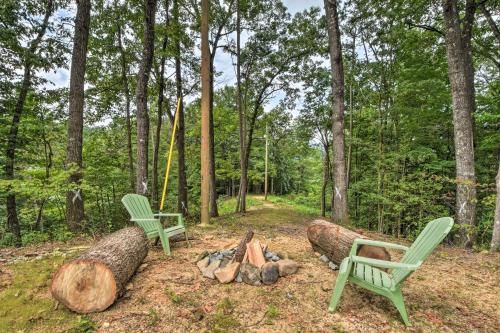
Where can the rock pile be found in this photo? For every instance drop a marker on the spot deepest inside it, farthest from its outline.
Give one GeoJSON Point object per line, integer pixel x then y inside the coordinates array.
{"type": "Point", "coordinates": [259, 265]}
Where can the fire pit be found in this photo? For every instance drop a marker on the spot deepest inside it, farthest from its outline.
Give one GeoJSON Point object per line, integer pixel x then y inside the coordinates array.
{"type": "Point", "coordinates": [250, 262]}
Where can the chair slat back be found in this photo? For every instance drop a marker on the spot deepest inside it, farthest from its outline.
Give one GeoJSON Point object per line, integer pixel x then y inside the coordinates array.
{"type": "Point", "coordinates": [139, 209]}
{"type": "Point", "coordinates": [433, 233]}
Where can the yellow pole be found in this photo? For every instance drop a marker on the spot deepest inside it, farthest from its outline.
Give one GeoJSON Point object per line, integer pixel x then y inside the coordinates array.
{"type": "Point", "coordinates": [167, 171]}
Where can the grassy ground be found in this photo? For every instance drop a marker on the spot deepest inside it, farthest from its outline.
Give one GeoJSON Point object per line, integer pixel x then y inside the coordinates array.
{"type": "Point", "coordinates": [454, 291]}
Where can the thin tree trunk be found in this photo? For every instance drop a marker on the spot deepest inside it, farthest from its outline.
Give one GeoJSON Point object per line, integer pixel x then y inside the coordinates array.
{"type": "Point", "coordinates": [461, 75]}
{"type": "Point", "coordinates": [12, 218]}
{"type": "Point", "coordinates": [141, 185]}
{"type": "Point", "coordinates": [205, 115]}
{"type": "Point", "coordinates": [241, 201]}
{"type": "Point", "coordinates": [495, 239]}
{"type": "Point", "coordinates": [161, 90]}
{"type": "Point", "coordinates": [351, 111]}
{"type": "Point", "coordinates": [326, 177]}
{"type": "Point", "coordinates": [214, 212]}
{"type": "Point", "coordinates": [182, 189]}
{"type": "Point", "coordinates": [490, 20]}
{"type": "Point", "coordinates": [340, 210]}
{"type": "Point", "coordinates": [128, 123]}
{"type": "Point", "coordinates": [74, 198]}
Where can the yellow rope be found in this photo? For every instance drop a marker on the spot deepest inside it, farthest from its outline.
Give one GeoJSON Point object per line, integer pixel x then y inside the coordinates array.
{"type": "Point", "coordinates": [167, 171]}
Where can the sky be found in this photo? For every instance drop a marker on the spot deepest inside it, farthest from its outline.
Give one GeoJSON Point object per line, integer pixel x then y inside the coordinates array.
{"type": "Point", "coordinates": [223, 61]}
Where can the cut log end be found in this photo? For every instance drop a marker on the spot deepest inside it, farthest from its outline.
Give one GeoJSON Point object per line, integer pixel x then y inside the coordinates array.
{"type": "Point", "coordinates": [85, 286]}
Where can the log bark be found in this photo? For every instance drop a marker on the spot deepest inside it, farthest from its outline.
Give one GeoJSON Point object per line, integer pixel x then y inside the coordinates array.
{"type": "Point", "coordinates": [95, 280]}
{"type": "Point", "coordinates": [242, 247]}
{"type": "Point", "coordinates": [335, 242]}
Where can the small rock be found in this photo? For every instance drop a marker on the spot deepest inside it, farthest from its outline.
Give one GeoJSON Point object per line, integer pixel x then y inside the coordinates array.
{"type": "Point", "coordinates": [208, 271]}
{"type": "Point", "coordinates": [270, 272]}
{"type": "Point", "coordinates": [224, 262]}
{"type": "Point", "coordinates": [250, 274]}
{"type": "Point", "coordinates": [202, 255]}
{"type": "Point", "coordinates": [333, 266]}
{"type": "Point", "coordinates": [105, 325]}
{"type": "Point", "coordinates": [269, 254]}
{"type": "Point", "coordinates": [275, 258]}
{"type": "Point", "coordinates": [324, 258]}
{"type": "Point", "coordinates": [129, 286]}
{"type": "Point", "coordinates": [287, 267]}
{"type": "Point", "coordinates": [228, 273]}
{"type": "Point", "coordinates": [203, 263]}
{"type": "Point", "coordinates": [317, 254]}
{"type": "Point", "coordinates": [239, 279]}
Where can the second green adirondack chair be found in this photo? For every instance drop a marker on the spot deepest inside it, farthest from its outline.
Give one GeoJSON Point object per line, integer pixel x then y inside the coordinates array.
{"type": "Point", "coordinates": [365, 272]}
{"type": "Point", "coordinates": [141, 213]}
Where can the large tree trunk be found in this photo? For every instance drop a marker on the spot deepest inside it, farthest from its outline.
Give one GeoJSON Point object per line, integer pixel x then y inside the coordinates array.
{"type": "Point", "coordinates": [141, 185]}
{"type": "Point", "coordinates": [128, 123]}
{"type": "Point", "coordinates": [340, 211]}
{"type": "Point", "coordinates": [182, 189]}
{"type": "Point", "coordinates": [461, 75]}
{"type": "Point", "coordinates": [95, 280]}
{"type": "Point", "coordinates": [74, 198]}
{"type": "Point", "coordinates": [335, 242]}
{"type": "Point", "coordinates": [205, 115]}
{"type": "Point", "coordinates": [241, 200]}
{"type": "Point", "coordinates": [495, 240]}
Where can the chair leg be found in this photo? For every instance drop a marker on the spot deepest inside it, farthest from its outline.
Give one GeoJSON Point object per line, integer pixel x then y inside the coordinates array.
{"type": "Point", "coordinates": [339, 284]}
{"type": "Point", "coordinates": [397, 299]}
{"type": "Point", "coordinates": [165, 244]}
{"type": "Point", "coordinates": [187, 239]}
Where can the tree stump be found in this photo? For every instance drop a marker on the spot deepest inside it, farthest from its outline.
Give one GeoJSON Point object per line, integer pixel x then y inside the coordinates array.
{"type": "Point", "coordinates": [335, 242]}
{"type": "Point", "coordinates": [95, 280]}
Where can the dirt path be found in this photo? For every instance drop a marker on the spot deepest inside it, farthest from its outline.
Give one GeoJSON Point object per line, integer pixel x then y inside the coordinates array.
{"type": "Point", "coordinates": [169, 294]}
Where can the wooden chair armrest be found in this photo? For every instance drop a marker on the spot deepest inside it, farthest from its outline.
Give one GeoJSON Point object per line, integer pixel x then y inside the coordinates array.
{"type": "Point", "coordinates": [363, 241]}
{"type": "Point", "coordinates": [385, 264]}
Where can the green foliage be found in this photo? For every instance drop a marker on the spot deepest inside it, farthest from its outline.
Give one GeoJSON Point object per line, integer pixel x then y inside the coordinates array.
{"type": "Point", "coordinates": [84, 325]}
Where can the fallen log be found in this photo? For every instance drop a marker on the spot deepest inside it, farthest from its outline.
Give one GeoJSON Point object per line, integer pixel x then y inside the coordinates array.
{"type": "Point", "coordinates": [97, 278]}
{"type": "Point", "coordinates": [335, 242]}
{"type": "Point", "coordinates": [242, 247]}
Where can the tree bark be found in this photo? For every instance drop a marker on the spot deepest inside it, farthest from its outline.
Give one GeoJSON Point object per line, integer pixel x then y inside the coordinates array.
{"type": "Point", "coordinates": [495, 239]}
{"type": "Point", "coordinates": [182, 194]}
{"type": "Point", "coordinates": [74, 198]}
{"type": "Point", "coordinates": [241, 200]}
{"type": "Point", "coordinates": [141, 185]}
{"type": "Point", "coordinates": [461, 75]}
{"type": "Point", "coordinates": [128, 123]}
{"type": "Point", "coordinates": [97, 278]}
{"type": "Point", "coordinates": [242, 246]}
{"type": "Point", "coordinates": [340, 210]}
{"type": "Point", "coordinates": [335, 242]}
{"type": "Point", "coordinates": [205, 115]}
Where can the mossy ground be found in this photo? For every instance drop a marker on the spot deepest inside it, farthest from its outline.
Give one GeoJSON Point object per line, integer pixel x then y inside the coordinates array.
{"type": "Point", "coordinates": [454, 291]}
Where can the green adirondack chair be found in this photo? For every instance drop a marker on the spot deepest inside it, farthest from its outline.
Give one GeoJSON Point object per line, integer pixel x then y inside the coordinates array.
{"type": "Point", "coordinates": [365, 272]}
{"type": "Point", "coordinates": [141, 213]}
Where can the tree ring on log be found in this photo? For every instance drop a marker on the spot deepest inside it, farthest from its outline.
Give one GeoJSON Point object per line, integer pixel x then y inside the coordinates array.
{"type": "Point", "coordinates": [85, 286]}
